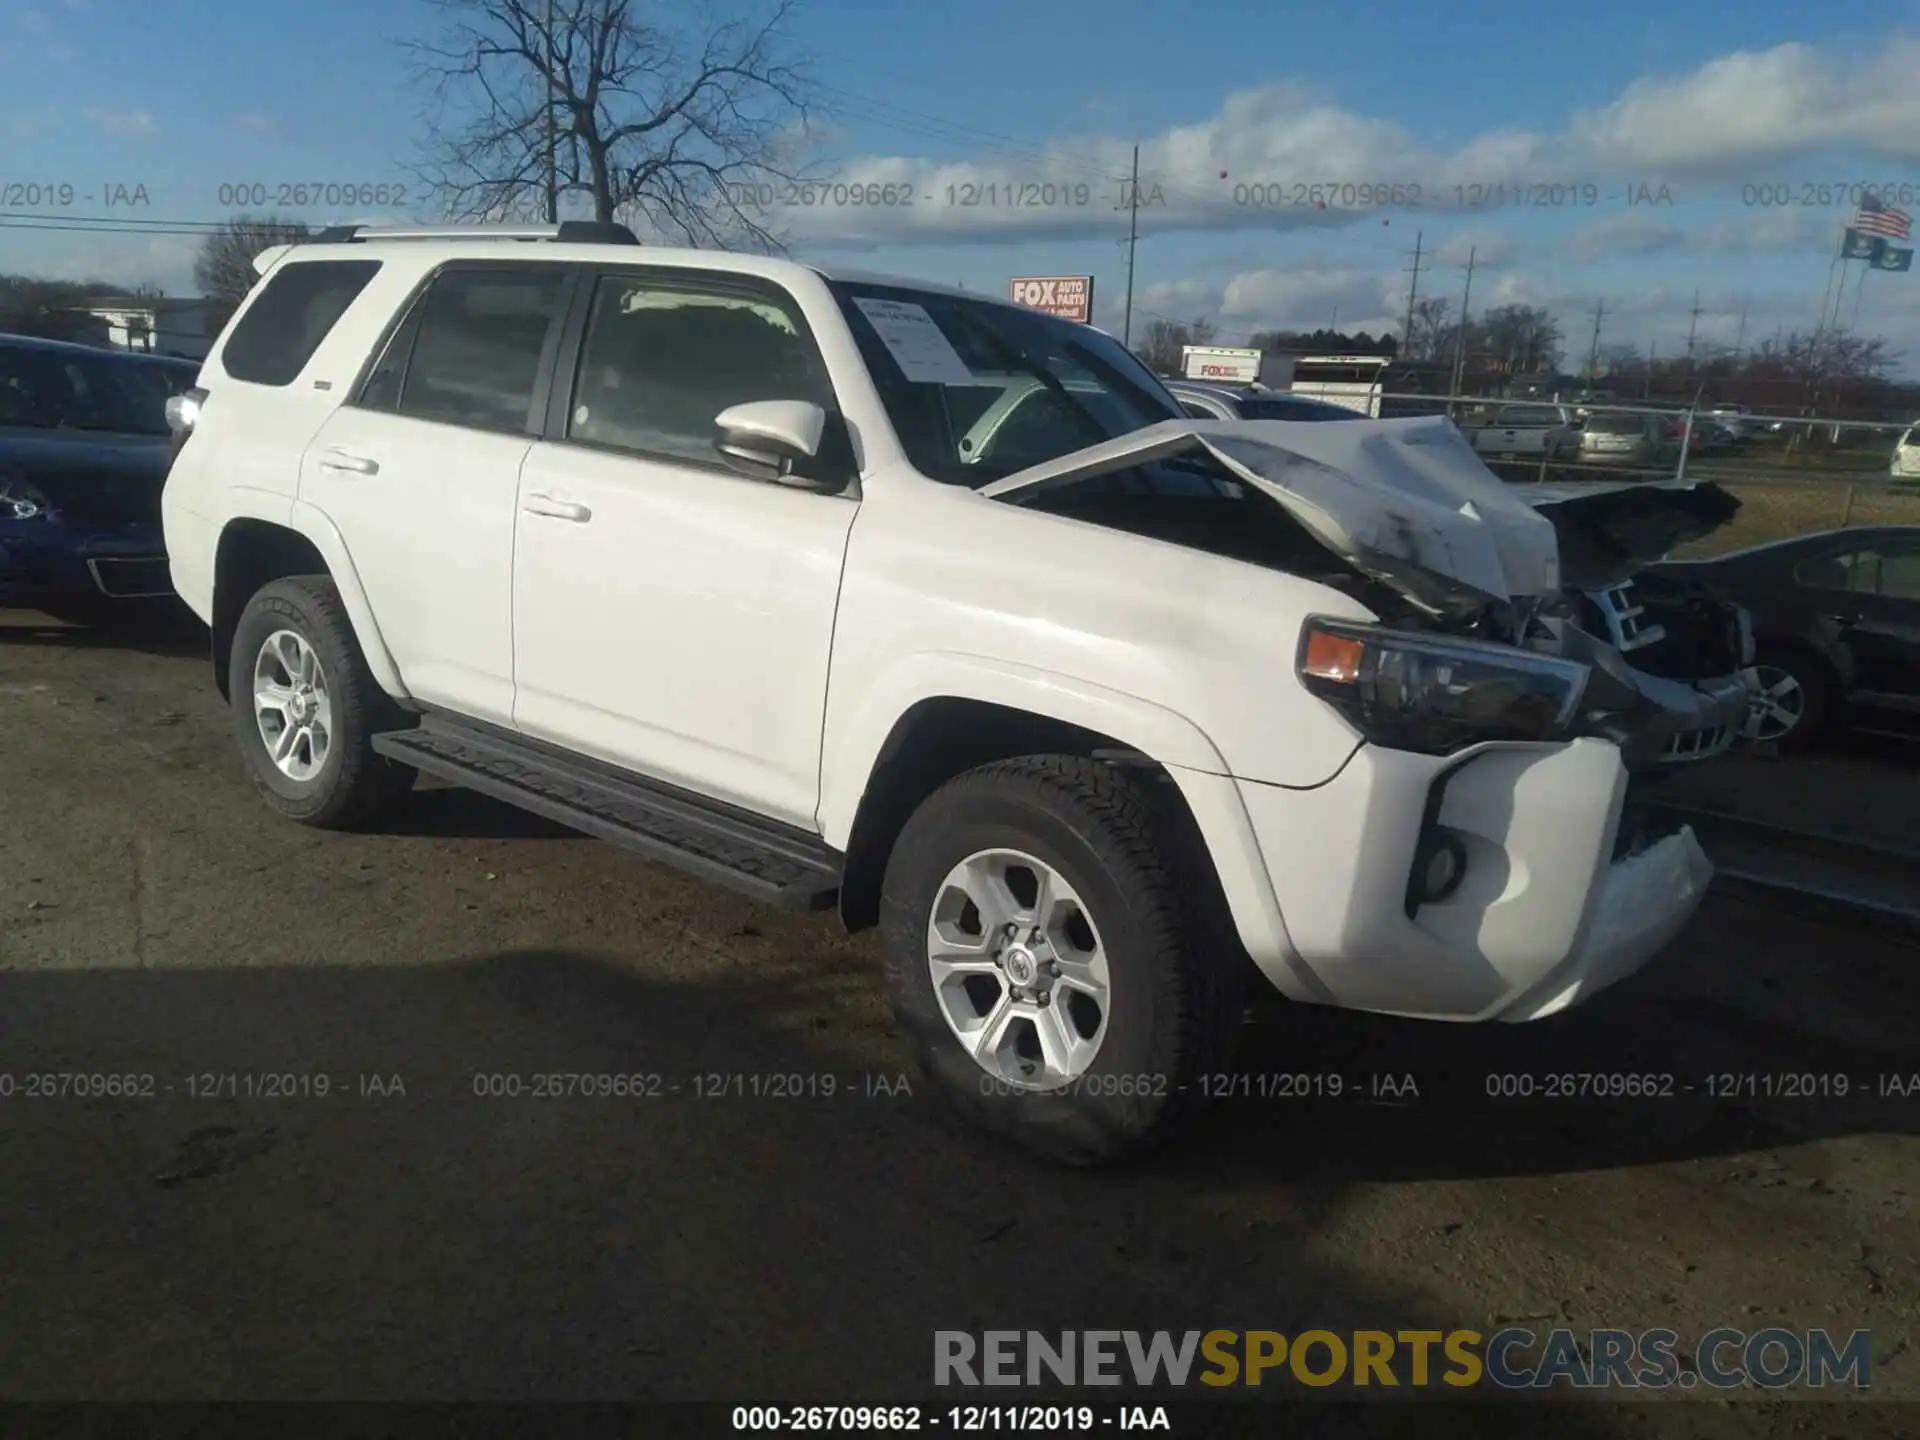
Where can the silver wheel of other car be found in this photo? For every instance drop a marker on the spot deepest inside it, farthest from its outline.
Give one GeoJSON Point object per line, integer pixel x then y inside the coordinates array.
{"type": "Point", "coordinates": [291, 705]}
{"type": "Point", "coordinates": [1018, 969]}
{"type": "Point", "coordinates": [1779, 707]}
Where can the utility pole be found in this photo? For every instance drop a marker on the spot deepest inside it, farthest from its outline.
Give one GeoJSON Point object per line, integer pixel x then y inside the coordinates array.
{"type": "Point", "coordinates": [1740, 340]}
{"type": "Point", "coordinates": [1693, 325]}
{"type": "Point", "coordinates": [1333, 325]}
{"type": "Point", "coordinates": [553, 164]}
{"type": "Point", "coordinates": [1593, 356]}
{"type": "Point", "coordinates": [1133, 242]}
{"type": "Point", "coordinates": [1413, 290]}
{"type": "Point", "coordinates": [1460, 331]}
{"type": "Point", "coordinates": [1653, 349]}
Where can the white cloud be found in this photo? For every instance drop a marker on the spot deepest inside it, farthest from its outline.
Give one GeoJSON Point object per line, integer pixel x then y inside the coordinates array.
{"type": "Point", "coordinates": [1286, 157]}
{"type": "Point", "coordinates": [1485, 247]}
{"type": "Point", "coordinates": [127, 260]}
{"type": "Point", "coordinates": [1763, 232]}
{"type": "Point", "coordinates": [256, 122]}
{"type": "Point", "coordinates": [122, 124]}
{"type": "Point", "coordinates": [1750, 107]}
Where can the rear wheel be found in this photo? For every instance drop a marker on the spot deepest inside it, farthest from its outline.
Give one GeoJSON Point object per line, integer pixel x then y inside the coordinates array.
{"type": "Point", "coordinates": [306, 708]}
{"type": "Point", "coordinates": [1056, 959]}
{"type": "Point", "coordinates": [1791, 709]}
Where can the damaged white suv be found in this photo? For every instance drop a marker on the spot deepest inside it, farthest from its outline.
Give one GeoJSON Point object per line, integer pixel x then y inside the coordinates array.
{"type": "Point", "coordinates": [851, 591]}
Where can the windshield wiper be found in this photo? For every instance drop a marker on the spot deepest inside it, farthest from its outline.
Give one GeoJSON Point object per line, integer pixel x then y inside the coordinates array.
{"type": "Point", "coordinates": [1017, 359]}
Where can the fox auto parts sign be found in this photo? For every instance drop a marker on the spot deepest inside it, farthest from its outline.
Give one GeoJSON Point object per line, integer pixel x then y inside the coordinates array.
{"type": "Point", "coordinates": [1221, 363]}
{"type": "Point", "coordinates": [1068, 296]}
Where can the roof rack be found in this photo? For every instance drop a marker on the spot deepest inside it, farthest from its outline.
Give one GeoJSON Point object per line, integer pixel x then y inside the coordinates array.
{"type": "Point", "coordinates": [567, 232]}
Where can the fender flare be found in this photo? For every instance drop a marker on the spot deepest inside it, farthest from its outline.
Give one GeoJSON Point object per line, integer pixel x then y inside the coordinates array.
{"type": "Point", "coordinates": [856, 738]}
{"type": "Point", "coordinates": [312, 525]}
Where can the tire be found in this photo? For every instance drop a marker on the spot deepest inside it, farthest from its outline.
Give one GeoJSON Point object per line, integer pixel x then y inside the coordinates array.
{"type": "Point", "coordinates": [1176, 974]}
{"type": "Point", "coordinates": [1807, 680]}
{"type": "Point", "coordinates": [350, 785]}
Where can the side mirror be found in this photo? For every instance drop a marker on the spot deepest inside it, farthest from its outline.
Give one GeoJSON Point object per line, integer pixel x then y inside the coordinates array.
{"type": "Point", "coordinates": [774, 440]}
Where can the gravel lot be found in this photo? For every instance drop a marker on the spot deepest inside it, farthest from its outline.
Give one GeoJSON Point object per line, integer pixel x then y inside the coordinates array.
{"type": "Point", "coordinates": [435, 1244]}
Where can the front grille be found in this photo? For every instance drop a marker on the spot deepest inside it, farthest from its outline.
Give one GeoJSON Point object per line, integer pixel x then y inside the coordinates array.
{"type": "Point", "coordinates": [1624, 619]}
{"type": "Point", "coordinates": [1691, 745]}
{"type": "Point", "coordinates": [132, 579]}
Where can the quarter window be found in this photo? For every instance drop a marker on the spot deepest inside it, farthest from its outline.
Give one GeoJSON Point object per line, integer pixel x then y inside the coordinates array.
{"type": "Point", "coordinates": [284, 327]}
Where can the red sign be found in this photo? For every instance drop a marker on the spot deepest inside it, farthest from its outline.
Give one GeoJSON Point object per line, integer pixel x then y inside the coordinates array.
{"type": "Point", "coordinates": [1068, 296]}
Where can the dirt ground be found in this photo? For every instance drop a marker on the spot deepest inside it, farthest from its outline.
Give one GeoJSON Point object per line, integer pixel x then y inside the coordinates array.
{"type": "Point", "coordinates": [404, 1237]}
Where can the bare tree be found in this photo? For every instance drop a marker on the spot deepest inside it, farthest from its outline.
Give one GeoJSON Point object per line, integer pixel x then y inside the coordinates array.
{"type": "Point", "coordinates": [1427, 337]}
{"type": "Point", "coordinates": [681, 131]}
{"type": "Point", "coordinates": [1526, 337]}
{"type": "Point", "coordinates": [224, 268]}
{"type": "Point", "coordinates": [1167, 338]}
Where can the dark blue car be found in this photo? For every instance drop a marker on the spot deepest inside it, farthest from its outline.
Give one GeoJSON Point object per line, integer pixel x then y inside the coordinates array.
{"type": "Point", "coordinates": [84, 449]}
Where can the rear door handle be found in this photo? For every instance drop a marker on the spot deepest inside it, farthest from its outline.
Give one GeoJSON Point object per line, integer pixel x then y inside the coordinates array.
{"type": "Point", "coordinates": [352, 464]}
{"type": "Point", "coordinates": [556, 509]}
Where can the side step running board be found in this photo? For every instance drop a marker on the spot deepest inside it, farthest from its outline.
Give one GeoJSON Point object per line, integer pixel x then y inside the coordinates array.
{"type": "Point", "coordinates": [761, 858]}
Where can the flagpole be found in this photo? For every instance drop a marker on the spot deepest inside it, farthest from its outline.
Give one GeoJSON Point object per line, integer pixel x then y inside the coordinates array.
{"type": "Point", "coordinates": [1853, 325]}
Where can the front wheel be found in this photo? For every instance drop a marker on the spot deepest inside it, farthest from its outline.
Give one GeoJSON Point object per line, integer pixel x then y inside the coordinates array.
{"type": "Point", "coordinates": [1057, 958]}
{"type": "Point", "coordinates": [306, 708]}
{"type": "Point", "coordinates": [1791, 708]}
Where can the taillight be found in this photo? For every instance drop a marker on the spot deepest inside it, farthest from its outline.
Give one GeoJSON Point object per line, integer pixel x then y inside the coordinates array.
{"type": "Point", "coordinates": [183, 412]}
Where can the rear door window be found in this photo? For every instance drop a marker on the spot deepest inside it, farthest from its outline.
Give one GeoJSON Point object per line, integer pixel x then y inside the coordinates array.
{"type": "Point", "coordinates": [475, 357]}
{"type": "Point", "coordinates": [283, 328]}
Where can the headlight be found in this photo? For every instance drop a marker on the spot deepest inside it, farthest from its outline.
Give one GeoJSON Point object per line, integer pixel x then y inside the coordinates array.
{"type": "Point", "coordinates": [1436, 695]}
{"type": "Point", "coordinates": [21, 501]}
{"type": "Point", "coordinates": [183, 410]}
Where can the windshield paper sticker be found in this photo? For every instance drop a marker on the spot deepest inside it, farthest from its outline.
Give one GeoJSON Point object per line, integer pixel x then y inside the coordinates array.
{"type": "Point", "coordinates": [924, 354]}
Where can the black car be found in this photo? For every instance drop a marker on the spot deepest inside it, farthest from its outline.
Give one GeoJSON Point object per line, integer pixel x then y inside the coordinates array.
{"type": "Point", "coordinates": [1228, 402]}
{"type": "Point", "coordinates": [84, 449]}
{"type": "Point", "coordinates": [1836, 621]}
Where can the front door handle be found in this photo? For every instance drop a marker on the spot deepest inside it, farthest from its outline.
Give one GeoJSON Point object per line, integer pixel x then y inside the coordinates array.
{"type": "Point", "coordinates": [556, 509]}
{"type": "Point", "coordinates": [352, 464]}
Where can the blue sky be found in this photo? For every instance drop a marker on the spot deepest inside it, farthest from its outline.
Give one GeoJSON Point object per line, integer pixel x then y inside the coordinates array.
{"type": "Point", "coordinates": [1707, 100]}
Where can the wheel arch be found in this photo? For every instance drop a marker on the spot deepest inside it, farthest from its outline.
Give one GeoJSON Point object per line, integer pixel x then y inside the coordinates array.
{"type": "Point", "coordinates": [254, 551]}
{"type": "Point", "coordinates": [941, 736]}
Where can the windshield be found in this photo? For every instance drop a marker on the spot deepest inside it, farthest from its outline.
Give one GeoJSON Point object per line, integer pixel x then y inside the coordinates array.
{"type": "Point", "coordinates": [977, 391]}
{"type": "Point", "coordinates": [1618, 424]}
{"type": "Point", "coordinates": [1293, 410]}
{"type": "Point", "coordinates": [61, 390]}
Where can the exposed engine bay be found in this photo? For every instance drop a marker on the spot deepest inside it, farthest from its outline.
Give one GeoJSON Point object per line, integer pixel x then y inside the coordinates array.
{"type": "Point", "coordinates": [1403, 516]}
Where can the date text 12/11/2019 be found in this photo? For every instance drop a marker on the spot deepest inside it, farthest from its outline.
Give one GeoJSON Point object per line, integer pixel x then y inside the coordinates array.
{"type": "Point", "coordinates": [762, 196]}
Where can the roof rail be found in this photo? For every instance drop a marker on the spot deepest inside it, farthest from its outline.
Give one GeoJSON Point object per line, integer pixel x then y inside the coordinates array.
{"type": "Point", "coordinates": [567, 232]}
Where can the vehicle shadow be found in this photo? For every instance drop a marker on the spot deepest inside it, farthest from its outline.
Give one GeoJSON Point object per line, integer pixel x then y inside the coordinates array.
{"type": "Point", "coordinates": [438, 810]}
{"type": "Point", "coordinates": [169, 630]}
{"type": "Point", "coordinates": [430, 1227]}
{"type": "Point", "coordinates": [1754, 1029]}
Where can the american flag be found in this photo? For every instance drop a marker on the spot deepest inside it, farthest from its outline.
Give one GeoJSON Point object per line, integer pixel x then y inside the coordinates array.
{"type": "Point", "coordinates": [1879, 218]}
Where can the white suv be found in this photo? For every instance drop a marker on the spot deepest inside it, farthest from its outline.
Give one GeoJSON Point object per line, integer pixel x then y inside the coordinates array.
{"type": "Point", "coordinates": [852, 591]}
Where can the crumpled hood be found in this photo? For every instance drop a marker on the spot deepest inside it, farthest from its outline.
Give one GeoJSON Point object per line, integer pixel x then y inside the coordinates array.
{"type": "Point", "coordinates": [1410, 504]}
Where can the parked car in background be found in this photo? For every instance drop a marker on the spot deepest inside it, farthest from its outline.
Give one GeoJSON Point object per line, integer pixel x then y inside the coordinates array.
{"type": "Point", "coordinates": [83, 457]}
{"type": "Point", "coordinates": [1529, 432]}
{"type": "Point", "coordinates": [1627, 440]}
{"type": "Point", "coordinates": [1906, 455]}
{"type": "Point", "coordinates": [1836, 620]}
{"type": "Point", "coordinates": [1227, 402]}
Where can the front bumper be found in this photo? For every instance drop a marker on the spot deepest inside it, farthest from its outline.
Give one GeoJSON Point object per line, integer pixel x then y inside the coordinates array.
{"type": "Point", "coordinates": [42, 562]}
{"type": "Point", "coordinates": [1545, 913]}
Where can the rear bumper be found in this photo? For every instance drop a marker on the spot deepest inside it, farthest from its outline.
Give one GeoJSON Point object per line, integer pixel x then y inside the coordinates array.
{"type": "Point", "coordinates": [1545, 914]}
